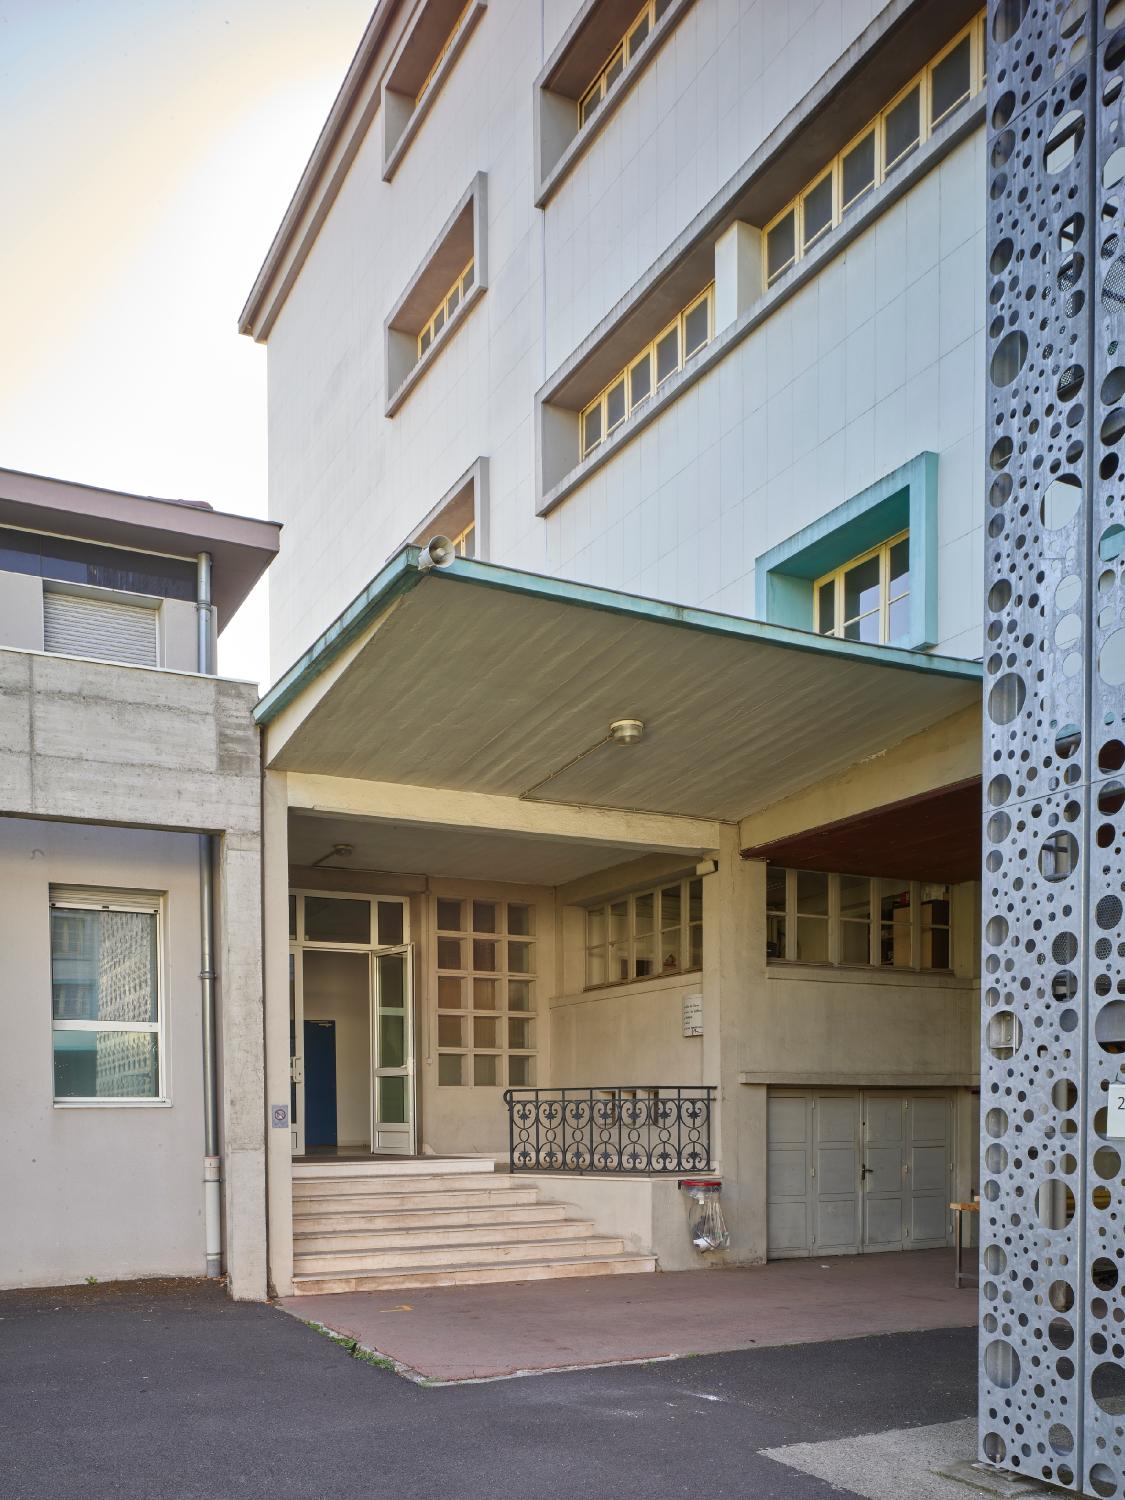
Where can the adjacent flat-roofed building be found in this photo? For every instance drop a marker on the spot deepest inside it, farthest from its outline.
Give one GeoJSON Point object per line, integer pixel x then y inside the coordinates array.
{"type": "Point", "coordinates": [635, 832]}
{"type": "Point", "coordinates": [131, 1070]}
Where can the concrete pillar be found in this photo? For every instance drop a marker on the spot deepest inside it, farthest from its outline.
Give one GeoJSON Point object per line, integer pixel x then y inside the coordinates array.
{"type": "Point", "coordinates": [243, 1101]}
{"type": "Point", "coordinates": [734, 906]}
{"type": "Point", "coordinates": [275, 942]}
{"type": "Point", "coordinates": [738, 272]}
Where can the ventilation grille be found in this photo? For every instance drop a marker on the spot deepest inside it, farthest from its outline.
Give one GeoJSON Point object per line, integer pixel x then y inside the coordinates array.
{"type": "Point", "coordinates": [77, 626]}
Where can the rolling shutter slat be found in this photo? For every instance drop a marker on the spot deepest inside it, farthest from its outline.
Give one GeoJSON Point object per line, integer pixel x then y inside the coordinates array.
{"type": "Point", "coordinates": [76, 626]}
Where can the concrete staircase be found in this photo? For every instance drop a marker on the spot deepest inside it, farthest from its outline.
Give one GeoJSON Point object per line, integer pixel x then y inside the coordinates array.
{"type": "Point", "coordinates": [381, 1225]}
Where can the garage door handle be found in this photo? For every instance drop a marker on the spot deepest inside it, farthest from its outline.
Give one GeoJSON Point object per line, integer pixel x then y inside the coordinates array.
{"type": "Point", "coordinates": [867, 1171]}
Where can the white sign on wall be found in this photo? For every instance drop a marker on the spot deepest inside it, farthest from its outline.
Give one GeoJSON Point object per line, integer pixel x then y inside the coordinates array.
{"type": "Point", "coordinates": [1116, 1111]}
{"type": "Point", "coordinates": [693, 1015]}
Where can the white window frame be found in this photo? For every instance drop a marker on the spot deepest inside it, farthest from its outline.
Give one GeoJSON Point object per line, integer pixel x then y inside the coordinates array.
{"type": "Point", "coordinates": [88, 898]}
{"type": "Point", "coordinates": [835, 924]}
{"type": "Point", "coordinates": [600, 403]}
{"type": "Point", "coordinates": [608, 948]}
{"type": "Point", "coordinates": [923, 81]}
{"type": "Point", "coordinates": [299, 894]}
{"type": "Point", "coordinates": [882, 550]}
{"type": "Point", "coordinates": [502, 1014]}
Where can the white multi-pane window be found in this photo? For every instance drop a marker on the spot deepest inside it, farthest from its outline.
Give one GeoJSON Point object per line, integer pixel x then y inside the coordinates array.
{"type": "Point", "coordinates": [818, 918]}
{"type": "Point", "coordinates": [106, 1021]}
{"type": "Point", "coordinates": [688, 332]}
{"type": "Point", "coordinates": [880, 148]}
{"type": "Point", "coordinates": [654, 932]}
{"type": "Point", "coordinates": [446, 308]}
{"type": "Point", "coordinates": [622, 55]}
{"type": "Point", "coordinates": [868, 599]}
{"type": "Point", "coordinates": [486, 1001]}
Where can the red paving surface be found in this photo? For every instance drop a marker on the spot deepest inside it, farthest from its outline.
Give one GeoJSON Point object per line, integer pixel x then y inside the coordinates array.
{"type": "Point", "coordinates": [464, 1333]}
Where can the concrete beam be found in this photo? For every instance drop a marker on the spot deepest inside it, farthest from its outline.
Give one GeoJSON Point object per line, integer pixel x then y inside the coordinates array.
{"type": "Point", "coordinates": [944, 755]}
{"type": "Point", "coordinates": [392, 802]}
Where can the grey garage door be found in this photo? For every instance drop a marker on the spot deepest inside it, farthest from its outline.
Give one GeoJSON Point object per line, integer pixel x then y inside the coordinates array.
{"type": "Point", "coordinates": [858, 1171]}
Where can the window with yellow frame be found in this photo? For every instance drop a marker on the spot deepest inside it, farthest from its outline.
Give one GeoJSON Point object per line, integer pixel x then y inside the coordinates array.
{"type": "Point", "coordinates": [868, 599]}
{"type": "Point", "coordinates": [445, 46]}
{"type": "Point", "coordinates": [465, 542]}
{"type": "Point", "coordinates": [955, 74]}
{"type": "Point", "coordinates": [687, 333]}
{"type": "Point", "coordinates": [626, 50]}
{"type": "Point", "coordinates": [446, 308]}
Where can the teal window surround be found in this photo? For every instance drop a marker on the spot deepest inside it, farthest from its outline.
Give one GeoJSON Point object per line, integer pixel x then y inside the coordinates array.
{"type": "Point", "coordinates": [904, 499]}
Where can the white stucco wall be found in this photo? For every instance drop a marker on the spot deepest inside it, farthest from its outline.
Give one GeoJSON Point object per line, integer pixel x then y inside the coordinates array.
{"type": "Point", "coordinates": [351, 484]}
{"type": "Point", "coordinates": [103, 1190]}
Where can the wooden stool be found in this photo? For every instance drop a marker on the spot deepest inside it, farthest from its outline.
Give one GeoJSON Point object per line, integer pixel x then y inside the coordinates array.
{"type": "Point", "coordinates": [960, 1277]}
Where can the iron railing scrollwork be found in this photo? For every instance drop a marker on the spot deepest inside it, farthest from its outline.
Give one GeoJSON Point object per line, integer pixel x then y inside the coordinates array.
{"type": "Point", "coordinates": [636, 1129]}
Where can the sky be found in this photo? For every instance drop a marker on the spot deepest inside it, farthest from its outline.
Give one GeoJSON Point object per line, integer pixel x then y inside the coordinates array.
{"type": "Point", "coordinates": [148, 150]}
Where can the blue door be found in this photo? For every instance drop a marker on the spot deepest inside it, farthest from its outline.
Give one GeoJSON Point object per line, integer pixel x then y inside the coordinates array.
{"type": "Point", "coordinates": [320, 1083]}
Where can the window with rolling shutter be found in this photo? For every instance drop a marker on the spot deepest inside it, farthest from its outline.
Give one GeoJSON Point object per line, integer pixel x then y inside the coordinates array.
{"type": "Point", "coordinates": [75, 625]}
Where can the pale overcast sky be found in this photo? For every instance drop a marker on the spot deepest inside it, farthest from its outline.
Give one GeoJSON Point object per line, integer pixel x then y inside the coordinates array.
{"type": "Point", "coordinates": [148, 149]}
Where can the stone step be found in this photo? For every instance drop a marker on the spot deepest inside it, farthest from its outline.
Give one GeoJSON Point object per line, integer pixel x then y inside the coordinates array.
{"type": "Point", "coordinates": [455, 1252]}
{"type": "Point", "coordinates": [365, 1218]}
{"type": "Point", "coordinates": [408, 1166]}
{"type": "Point", "coordinates": [331, 1204]}
{"type": "Point", "coordinates": [403, 1276]}
{"type": "Point", "coordinates": [329, 1185]}
{"type": "Point", "coordinates": [345, 1244]}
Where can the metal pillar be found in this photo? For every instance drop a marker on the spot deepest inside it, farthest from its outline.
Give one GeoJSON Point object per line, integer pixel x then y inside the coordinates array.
{"type": "Point", "coordinates": [1052, 1337]}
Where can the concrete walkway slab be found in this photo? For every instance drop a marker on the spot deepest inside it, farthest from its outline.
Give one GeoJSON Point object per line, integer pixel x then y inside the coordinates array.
{"type": "Point", "coordinates": [483, 1332]}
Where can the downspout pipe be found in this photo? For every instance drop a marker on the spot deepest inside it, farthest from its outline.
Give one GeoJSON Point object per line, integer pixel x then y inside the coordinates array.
{"type": "Point", "coordinates": [212, 1172]}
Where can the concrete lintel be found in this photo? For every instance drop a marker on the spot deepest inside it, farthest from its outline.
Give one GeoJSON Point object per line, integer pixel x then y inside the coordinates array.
{"type": "Point", "coordinates": [394, 802]}
{"type": "Point", "coordinates": [944, 755]}
{"type": "Point", "coordinates": [915, 1082]}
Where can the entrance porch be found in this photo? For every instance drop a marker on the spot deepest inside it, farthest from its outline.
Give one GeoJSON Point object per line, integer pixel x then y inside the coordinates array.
{"type": "Point", "coordinates": [575, 911]}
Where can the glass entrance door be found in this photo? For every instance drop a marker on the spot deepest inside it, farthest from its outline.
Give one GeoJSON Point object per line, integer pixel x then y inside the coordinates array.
{"type": "Point", "coordinates": [350, 968]}
{"type": "Point", "coordinates": [392, 1052]}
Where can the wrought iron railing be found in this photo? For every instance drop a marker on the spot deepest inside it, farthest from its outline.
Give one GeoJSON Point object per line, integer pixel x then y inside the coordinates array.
{"type": "Point", "coordinates": [636, 1129]}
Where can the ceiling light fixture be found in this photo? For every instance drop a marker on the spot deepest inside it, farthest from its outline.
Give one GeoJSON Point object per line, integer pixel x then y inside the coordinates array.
{"type": "Point", "coordinates": [627, 731]}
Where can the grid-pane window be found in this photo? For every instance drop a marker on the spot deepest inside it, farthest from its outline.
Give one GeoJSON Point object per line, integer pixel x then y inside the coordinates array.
{"type": "Point", "coordinates": [891, 138]}
{"type": "Point", "coordinates": [868, 599]}
{"type": "Point", "coordinates": [895, 924]}
{"type": "Point", "coordinates": [934, 907]}
{"type": "Point", "coordinates": [683, 338]}
{"type": "Point", "coordinates": [105, 999]}
{"type": "Point", "coordinates": [812, 917]}
{"type": "Point", "coordinates": [856, 920]}
{"type": "Point", "coordinates": [486, 997]}
{"type": "Point", "coordinates": [645, 935]}
{"type": "Point", "coordinates": [902, 128]}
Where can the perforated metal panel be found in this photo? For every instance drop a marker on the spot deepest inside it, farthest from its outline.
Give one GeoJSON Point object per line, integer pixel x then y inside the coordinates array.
{"type": "Point", "coordinates": [1052, 1351]}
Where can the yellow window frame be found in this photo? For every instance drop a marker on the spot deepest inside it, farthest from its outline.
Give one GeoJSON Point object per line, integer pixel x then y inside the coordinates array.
{"type": "Point", "coordinates": [438, 320]}
{"type": "Point", "coordinates": [446, 45]}
{"type": "Point", "coordinates": [923, 81]}
{"type": "Point", "coordinates": [836, 578]}
{"type": "Point", "coordinates": [623, 48]}
{"type": "Point", "coordinates": [643, 356]}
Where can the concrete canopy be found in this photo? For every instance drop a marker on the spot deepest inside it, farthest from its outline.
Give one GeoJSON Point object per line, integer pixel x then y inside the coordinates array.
{"type": "Point", "coordinates": [479, 678]}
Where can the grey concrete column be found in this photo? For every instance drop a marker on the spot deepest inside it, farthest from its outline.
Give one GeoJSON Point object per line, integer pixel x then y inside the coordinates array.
{"type": "Point", "coordinates": [734, 963]}
{"type": "Point", "coordinates": [275, 930]}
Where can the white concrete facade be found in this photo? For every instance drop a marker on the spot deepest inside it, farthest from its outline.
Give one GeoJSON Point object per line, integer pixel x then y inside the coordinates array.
{"type": "Point", "coordinates": [864, 360]}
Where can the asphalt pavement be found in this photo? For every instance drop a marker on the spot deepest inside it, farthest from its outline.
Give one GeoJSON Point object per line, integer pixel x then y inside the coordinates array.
{"type": "Point", "coordinates": [173, 1391]}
